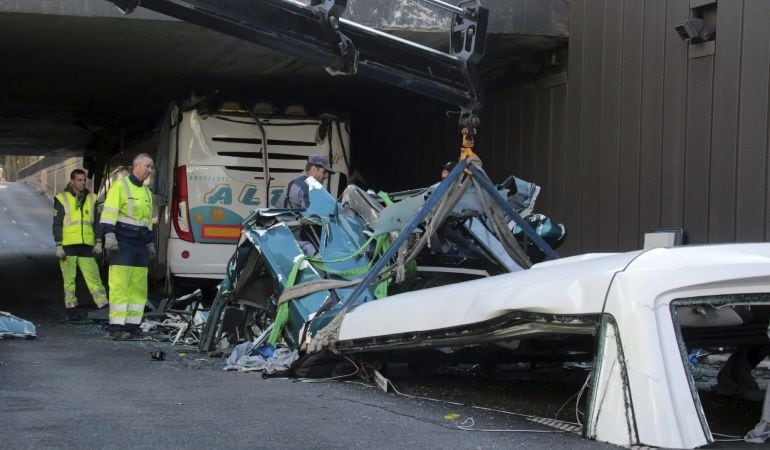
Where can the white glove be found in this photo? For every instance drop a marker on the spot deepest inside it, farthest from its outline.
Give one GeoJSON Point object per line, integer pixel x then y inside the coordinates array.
{"type": "Point", "coordinates": [110, 242]}
{"type": "Point", "coordinates": [151, 250]}
{"type": "Point", "coordinates": [60, 253]}
{"type": "Point", "coordinates": [97, 250]}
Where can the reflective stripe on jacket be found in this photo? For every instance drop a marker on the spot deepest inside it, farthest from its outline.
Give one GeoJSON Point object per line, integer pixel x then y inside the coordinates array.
{"type": "Point", "coordinates": [128, 208]}
{"type": "Point", "coordinates": [78, 220]}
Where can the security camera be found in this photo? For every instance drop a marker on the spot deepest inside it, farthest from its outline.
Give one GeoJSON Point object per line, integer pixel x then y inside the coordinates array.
{"type": "Point", "coordinates": [696, 30]}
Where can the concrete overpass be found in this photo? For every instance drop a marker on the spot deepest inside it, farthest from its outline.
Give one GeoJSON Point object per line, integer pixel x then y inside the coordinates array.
{"type": "Point", "coordinates": [77, 75]}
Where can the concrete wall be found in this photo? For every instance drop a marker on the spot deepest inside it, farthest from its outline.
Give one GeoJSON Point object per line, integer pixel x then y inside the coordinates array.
{"type": "Point", "coordinates": [50, 175]}
{"type": "Point", "coordinates": [85, 8]}
{"type": "Point", "coordinates": [14, 163]}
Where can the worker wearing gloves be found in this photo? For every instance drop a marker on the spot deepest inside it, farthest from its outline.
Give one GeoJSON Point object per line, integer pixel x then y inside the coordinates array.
{"type": "Point", "coordinates": [127, 225]}
{"type": "Point", "coordinates": [75, 232]}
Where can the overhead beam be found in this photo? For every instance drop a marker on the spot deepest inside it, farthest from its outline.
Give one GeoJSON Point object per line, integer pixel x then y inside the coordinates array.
{"type": "Point", "coordinates": [306, 32]}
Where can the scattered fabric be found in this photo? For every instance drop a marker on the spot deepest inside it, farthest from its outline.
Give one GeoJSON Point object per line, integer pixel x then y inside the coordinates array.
{"type": "Point", "coordinates": [248, 356]}
{"type": "Point", "coordinates": [760, 433]}
{"type": "Point", "coordinates": [735, 378]}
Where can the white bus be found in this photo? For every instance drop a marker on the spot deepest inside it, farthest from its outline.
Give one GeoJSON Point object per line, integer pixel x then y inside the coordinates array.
{"type": "Point", "coordinates": [211, 172]}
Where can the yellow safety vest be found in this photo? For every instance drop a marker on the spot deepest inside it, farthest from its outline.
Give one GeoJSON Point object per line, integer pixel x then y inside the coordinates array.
{"type": "Point", "coordinates": [78, 223]}
{"type": "Point", "coordinates": [129, 204]}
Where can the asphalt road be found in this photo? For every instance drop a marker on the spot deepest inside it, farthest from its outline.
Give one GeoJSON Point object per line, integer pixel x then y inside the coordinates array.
{"type": "Point", "coordinates": [75, 388]}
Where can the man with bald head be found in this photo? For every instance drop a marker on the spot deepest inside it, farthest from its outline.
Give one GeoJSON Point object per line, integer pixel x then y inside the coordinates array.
{"type": "Point", "coordinates": [127, 226]}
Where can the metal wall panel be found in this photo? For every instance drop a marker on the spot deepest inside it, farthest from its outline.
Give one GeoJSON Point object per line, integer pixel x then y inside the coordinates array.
{"type": "Point", "coordinates": [697, 147]}
{"type": "Point", "coordinates": [724, 133]}
{"type": "Point", "coordinates": [656, 134]}
{"type": "Point", "coordinates": [555, 196]}
{"type": "Point", "coordinates": [402, 148]}
{"type": "Point", "coordinates": [528, 147]}
{"type": "Point", "coordinates": [573, 157]}
{"type": "Point", "coordinates": [609, 157]}
{"type": "Point", "coordinates": [752, 182]}
{"type": "Point", "coordinates": [650, 159]}
{"type": "Point", "coordinates": [630, 119]}
{"type": "Point", "coordinates": [593, 55]}
{"type": "Point", "coordinates": [674, 100]}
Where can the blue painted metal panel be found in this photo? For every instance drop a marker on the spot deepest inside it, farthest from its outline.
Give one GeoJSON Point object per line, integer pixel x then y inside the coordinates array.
{"type": "Point", "coordinates": [12, 326]}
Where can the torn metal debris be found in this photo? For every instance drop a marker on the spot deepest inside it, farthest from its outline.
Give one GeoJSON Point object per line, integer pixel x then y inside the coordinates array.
{"type": "Point", "coordinates": [301, 268]}
{"type": "Point", "coordinates": [177, 320]}
{"type": "Point", "coordinates": [15, 327]}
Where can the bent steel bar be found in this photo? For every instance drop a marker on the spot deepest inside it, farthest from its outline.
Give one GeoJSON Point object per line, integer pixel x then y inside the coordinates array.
{"type": "Point", "coordinates": [304, 32]}
{"type": "Point", "coordinates": [446, 6]}
{"type": "Point", "coordinates": [509, 211]}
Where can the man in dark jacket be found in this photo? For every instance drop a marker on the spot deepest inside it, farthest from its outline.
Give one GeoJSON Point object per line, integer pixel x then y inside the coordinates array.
{"type": "Point", "coordinates": [297, 193]}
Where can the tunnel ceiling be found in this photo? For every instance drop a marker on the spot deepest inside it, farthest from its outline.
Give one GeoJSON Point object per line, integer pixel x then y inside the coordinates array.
{"type": "Point", "coordinates": [68, 78]}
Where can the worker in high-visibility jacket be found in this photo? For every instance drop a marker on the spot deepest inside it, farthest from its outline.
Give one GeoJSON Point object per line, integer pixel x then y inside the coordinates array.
{"type": "Point", "coordinates": [127, 225]}
{"type": "Point", "coordinates": [76, 233]}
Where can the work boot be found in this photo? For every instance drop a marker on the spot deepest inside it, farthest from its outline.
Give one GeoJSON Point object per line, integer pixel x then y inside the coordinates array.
{"type": "Point", "coordinates": [137, 333]}
{"type": "Point", "coordinates": [71, 315]}
{"type": "Point", "coordinates": [121, 335]}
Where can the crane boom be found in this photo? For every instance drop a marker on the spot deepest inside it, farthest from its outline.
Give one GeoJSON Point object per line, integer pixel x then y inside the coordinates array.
{"type": "Point", "coordinates": [317, 33]}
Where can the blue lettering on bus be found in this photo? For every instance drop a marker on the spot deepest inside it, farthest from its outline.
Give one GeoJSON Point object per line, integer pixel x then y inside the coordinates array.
{"type": "Point", "coordinates": [249, 196]}
{"type": "Point", "coordinates": [221, 194]}
{"type": "Point", "coordinates": [275, 194]}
